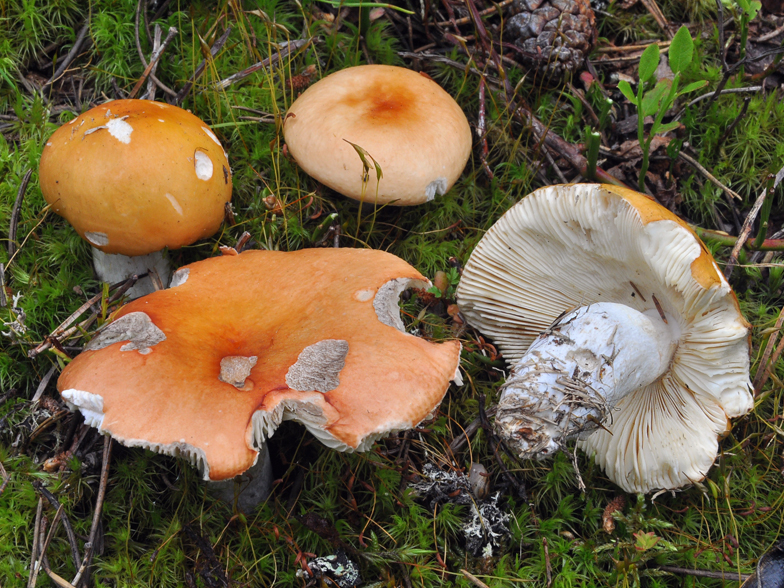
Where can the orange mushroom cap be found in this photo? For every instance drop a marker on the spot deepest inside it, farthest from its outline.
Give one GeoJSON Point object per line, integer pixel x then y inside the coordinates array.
{"type": "Point", "coordinates": [135, 176]}
{"type": "Point", "coordinates": [208, 368]}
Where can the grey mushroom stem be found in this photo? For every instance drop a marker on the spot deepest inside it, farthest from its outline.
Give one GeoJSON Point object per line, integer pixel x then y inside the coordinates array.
{"type": "Point", "coordinates": [112, 268]}
{"type": "Point", "coordinates": [578, 370]}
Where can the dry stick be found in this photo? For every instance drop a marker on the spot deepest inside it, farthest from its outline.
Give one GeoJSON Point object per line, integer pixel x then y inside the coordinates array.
{"type": "Point", "coordinates": [36, 534]}
{"type": "Point", "coordinates": [768, 350]}
{"type": "Point", "coordinates": [710, 177]}
{"type": "Point", "coordinates": [482, 131]}
{"type": "Point", "coordinates": [771, 35]}
{"type": "Point", "coordinates": [44, 547]}
{"type": "Point", "coordinates": [733, 577]}
{"type": "Point", "coordinates": [158, 82]}
{"type": "Point", "coordinates": [3, 298]}
{"type": "Point", "coordinates": [473, 579]}
{"type": "Point", "coordinates": [148, 71]}
{"type": "Point", "coordinates": [15, 213]}
{"type": "Point", "coordinates": [486, 12]}
{"type": "Point", "coordinates": [44, 383]}
{"type": "Point", "coordinates": [66, 521]}
{"type": "Point", "coordinates": [202, 66]}
{"type": "Point", "coordinates": [6, 478]}
{"type": "Point", "coordinates": [767, 370]}
{"type": "Point", "coordinates": [61, 330]}
{"type": "Point", "coordinates": [70, 57]}
{"type": "Point", "coordinates": [88, 555]}
{"type": "Point", "coordinates": [749, 90]}
{"type": "Point", "coordinates": [271, 60]}
{"type": "Point", "coordinates": [741, 114]}
{"type": "Point", "coordinates": [656, 13]}
{"type": "Point", "coordinates": [745, 230]}
{"type": "Point", "coordinates": [156, 46]}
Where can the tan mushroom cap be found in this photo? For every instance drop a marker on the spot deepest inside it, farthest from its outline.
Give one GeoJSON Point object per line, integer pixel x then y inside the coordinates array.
{"type": "Point", "coordinates": [410, 126]}
{"type": "Point", "coordinates": [563, 247]}
{"type": "Point", "coordinates": [135, 176]}
{"type": "Point", "coordinates": [208, 368]}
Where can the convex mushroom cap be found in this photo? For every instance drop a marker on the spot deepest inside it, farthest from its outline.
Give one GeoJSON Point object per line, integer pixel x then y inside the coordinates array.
{"type": "Point", "coordinates": [135, 176]}
{"type": "Point", "coordinates": [614, 312]}
{"type": "Point", "coordinates": [405, 121]}
{"type": "Point", "coordinates": [210, 367]}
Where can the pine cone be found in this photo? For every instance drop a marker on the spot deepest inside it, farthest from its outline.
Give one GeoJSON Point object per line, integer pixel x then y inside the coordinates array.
{"type": "Point", "coordinates": [615, 505]}
{"type": "Point", "coordinates": [555, 35]}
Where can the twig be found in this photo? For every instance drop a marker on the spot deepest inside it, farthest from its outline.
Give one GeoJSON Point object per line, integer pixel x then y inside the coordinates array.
{"type": "Point", "coordinates": [61, 330]}
{"type": "Point", "coordinates": [626, 48]}
{"type": "Point", "coordinates": [749, 90]}
{"type": "Point", "coordinates": [158, 82]}
{"type": "Point", "coordinates": [156, 45]}
{"type": "Point", "coordinates": [36, 538]}
{"type": "Point", "coordinates": [201, 67]}
{"type": "Point", "coordinates": [90, 545]}
{"type": "Point", "coordinates": [473, 579]}
{"type": "Point", "coordinates": [741, 114]}
{"type": "Point", "coordinates": [711, 178]}
{"type": "Point", "coordinates": [762, 372]}
{"type": "Point", "coordinates": [15, 213]}
{"type": "Point", "coordinates": [656, 13]}
{"type": "Point", "coordinates": [482, 131]}
{"type": "Point", "coordinates": [548, 568]}
{"type": "Point", "coordinates": [497, 6]}
{"type": "Point", "coordinates": [148, 71]}
{"type": "Point", "coordinates": [6, 478]}
{"type": "Point", "coordinates": [80, 37]}
{"type": "Point", "coordinates": [3, 298]}
{"type": "Point", "coordinates": [726, 240]}
{"type": "Point", "coordinates": [767, 192]}
{"type": "Point", "coordinates": [771, 35]}
{"type": "Point", "coordinates": [733, 576]}
{"type": "Point", "coordinates": [45, 546]}
{"type": "Point", "coordinates": [288, 48]}
{"type": "Point", "coordinates": [44, 383]}
{"type": "Point", "coordinates": [51, 499]}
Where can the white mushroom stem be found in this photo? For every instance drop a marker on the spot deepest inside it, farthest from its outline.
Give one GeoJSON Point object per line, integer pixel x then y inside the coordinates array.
{"type": "Point", "coordinates": [578, 370]}
{"type": "Point", "coordinates": [112, 268]}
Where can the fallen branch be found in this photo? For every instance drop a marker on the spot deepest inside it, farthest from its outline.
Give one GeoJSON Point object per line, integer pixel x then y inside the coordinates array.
{"type": "Point", "coordinates": [288, 48]}
{"type": "Point", "coordinates": [80, 37]}
{"type": "Point", "coordinates": [217, 46]}
{"type": "Point", "coordinates": [14, 222]}
{"type": "Point", "coordinates": [150, 68]}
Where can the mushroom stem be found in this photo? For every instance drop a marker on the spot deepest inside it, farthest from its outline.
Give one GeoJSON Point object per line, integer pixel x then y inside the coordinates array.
{"type": "Point", "coordinates": [248, 489]}
{"type": "Point", "coordinates": [578, 370]}
{"type": "Point", "coordinates": [112, 268]}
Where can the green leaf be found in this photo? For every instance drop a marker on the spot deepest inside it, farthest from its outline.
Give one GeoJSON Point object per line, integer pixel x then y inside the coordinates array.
{"type": "Point", "coordinates": [626, 90]}
{"type": "Point", "coordinates": [681, 50]}
{"type": "Point", "coordinates": [649, 61]}
{"type": "Point", "coordinates": [670, 126]}
{"type": "Point", "coordinates": [754, 8]}
{"type": "Point", "coordinates": [694, 86]}
{"type": "Point", "coordinates": [645, 541]}
{"type": "Point", "coordinates": [653, 98]}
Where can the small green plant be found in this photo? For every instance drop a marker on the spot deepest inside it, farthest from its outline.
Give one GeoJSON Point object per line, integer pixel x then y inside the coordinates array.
{"type": "Point", "coordinates": [658, 100]}
{"type": "Point", "coordinates": [748, 10]}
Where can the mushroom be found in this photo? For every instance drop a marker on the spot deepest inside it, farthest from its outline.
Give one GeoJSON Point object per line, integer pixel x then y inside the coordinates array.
{"type": "Point", "coordinates": [622, 330]}
{"type": "Point", "coordinates": [405, 122]}
{"type": "Point", "coordinates": [133, 177]}
{"type": "Point", "coordinates": [209, 368]}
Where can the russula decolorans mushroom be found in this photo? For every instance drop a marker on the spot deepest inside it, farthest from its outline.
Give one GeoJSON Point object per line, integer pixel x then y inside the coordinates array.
{"type": "Point", "coordinates": [134, 177]}
{"type": "Point", "coordinates": [405, 121]}
{"type": "Point", "coordinates": [622, 331]}
{"type": "Point", "coordinates": [208, 368]}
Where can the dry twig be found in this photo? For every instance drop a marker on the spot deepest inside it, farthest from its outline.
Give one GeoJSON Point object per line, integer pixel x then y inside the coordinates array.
{"type": "Point", "coordinates": [14, 222]}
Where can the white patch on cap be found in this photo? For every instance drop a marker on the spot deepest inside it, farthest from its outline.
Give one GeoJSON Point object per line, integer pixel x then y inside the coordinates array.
{"type": "Point", "coordinates": [161, 104]}
{"type": "Point", "coordinates": [203, 165]}
{"type": "Point", "coordinates": [96, 238]}
{"type": "Point", "coordinates": [318, 366]}
{"type": "Point", "coordinates": [49, 144]}
{"type": "Point", "coordinates": [364, 295]}
{"type": "Point", "coordinates": [161, 120]}
{"type": "Point", "coordinates": [135, 327]}
{"type": "Point", "coordinates": [174, 203]}
{"type": "Point", "coordinates": [180, 277]}
{"type": "Point", "coordinates": [235, 369]}
{"type": "Point", "coordinates": [437, 186]}
{"type": "Point", "coordinates": [120, 130]}
{"type": "Point", "coordinates": [211, 135]}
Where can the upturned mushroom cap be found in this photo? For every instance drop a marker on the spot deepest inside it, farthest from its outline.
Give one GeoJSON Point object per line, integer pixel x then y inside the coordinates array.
{"type": "Point", "coordinates": [135, 176]}
{"type": "Point", "coordinates": [563, 247]}
{"type": "Point", "coordinates": [405, 121]}
{"type": "Point", "coordinates": [210, 367]}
